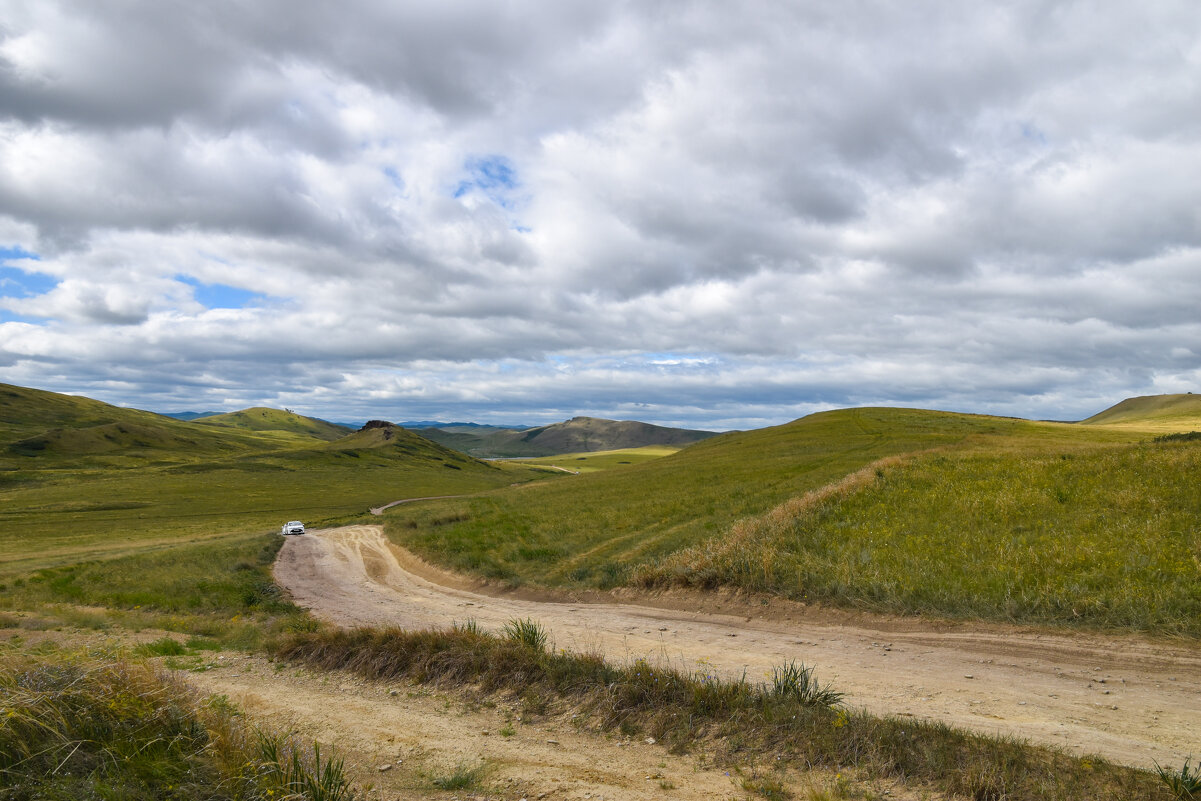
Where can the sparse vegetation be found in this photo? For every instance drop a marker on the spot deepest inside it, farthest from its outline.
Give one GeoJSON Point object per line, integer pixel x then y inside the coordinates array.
{"type": "Point", "coordinates": [82, 727]}
{"type": "Point", "coordinates": [737, 717]}
{"type": "Point", "coordinates": [463, 776]}
{"type": "Point", "coordinates": [1184, 783]}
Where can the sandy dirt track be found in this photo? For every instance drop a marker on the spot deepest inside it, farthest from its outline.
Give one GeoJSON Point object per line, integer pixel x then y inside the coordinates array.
{"type": "Point", "coordinates": [1130, 699]}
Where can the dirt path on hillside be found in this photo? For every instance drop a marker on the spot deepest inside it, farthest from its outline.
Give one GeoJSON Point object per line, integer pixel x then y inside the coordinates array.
{"type": "Point", "coordinates": [1130, 699]}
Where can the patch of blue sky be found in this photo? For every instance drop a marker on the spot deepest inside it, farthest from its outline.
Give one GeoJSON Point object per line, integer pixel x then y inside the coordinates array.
{"type": "Point", "coordinates": [19, 280]}
{"type": "Point", "coordinates": [394, 177]}
{"type": "Point", "coordinates": [492, 175]}
{"type": "Point", "coordinates": [1033, 133]}
{"type": "Point", "coordinates": [14, 253]}
{"type": "Point", "coordinates": [219, 296]}
{"type": "Point", "coordinates": [19, 283]}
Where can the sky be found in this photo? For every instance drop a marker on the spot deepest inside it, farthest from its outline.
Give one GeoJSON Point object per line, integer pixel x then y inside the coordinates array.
{"type": "Point", "coordinates": [703, 214]}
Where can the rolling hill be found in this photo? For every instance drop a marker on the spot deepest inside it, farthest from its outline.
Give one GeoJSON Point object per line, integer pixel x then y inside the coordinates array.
{"type": "Point", "coordinates": [1161, 413]}
{"type": "Point", "coordinates": [80, 478]}
{"type": "Point", "coordinates": [896, 510]}
{"type": "Point", "coordinates": [577, 435]}
{"type": "Point", "coordinates": [263, 419]}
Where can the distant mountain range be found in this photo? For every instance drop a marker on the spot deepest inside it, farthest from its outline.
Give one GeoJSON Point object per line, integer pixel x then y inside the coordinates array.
{"type": "Point", "coordinates": [577, 435]}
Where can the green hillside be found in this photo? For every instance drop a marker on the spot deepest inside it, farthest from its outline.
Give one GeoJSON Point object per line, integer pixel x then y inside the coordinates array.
{"type": "Point", "coordinates": [593, 528]}
{"type": "Point", "coordinates": [276, 420]}
{"type": "Point", "coordinates": [81, 479]}
{"type": "Point", "coordinates": [28, 412]}
{"type": "Point", "coordinates": [890, 509]}
{"type": "Point", "coordinates": [1161, 413]}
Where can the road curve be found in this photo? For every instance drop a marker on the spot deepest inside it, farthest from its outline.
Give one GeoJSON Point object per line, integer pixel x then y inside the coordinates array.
{"type": "Point", "coordinates": [1129, 699]}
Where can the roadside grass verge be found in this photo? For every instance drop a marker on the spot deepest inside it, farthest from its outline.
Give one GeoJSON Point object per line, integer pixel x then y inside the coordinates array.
{"type": "Point", "coordinates": [737, 718]}
{"type": "Point", "coordinates": [220, 589]}
{"type": "Point", "coordinates": [1105, 538]}
{"type": "Point", "coordinates": [76, 726]}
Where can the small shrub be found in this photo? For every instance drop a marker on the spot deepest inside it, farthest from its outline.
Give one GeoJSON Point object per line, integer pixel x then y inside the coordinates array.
{"type": "Point", "coordinates": [767, 787]}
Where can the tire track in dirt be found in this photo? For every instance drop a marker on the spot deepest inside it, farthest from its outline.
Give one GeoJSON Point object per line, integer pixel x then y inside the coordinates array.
{"type": "Point", "coordinates": [1129, 699]}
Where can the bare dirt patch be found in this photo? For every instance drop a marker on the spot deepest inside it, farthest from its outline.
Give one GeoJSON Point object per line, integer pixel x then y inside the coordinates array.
{"type": "Point", "coordinates": [1130, 699]}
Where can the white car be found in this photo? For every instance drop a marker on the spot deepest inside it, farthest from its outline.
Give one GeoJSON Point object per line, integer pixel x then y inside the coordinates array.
{"type": "Point", "coordinates": [292, 527]}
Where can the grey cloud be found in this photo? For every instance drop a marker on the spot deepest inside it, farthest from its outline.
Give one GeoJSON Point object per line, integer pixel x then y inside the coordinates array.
{"type": "Point", "coordinates": [827, 205]}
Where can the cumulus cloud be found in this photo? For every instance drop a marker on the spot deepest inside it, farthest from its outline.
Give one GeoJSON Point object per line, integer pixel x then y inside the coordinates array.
{"type": "Point", "coordinates": [685, 213]}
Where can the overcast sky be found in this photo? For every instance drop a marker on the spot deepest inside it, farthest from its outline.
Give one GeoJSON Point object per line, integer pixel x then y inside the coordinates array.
{"type": "Point", "coordinates": [709, 214]}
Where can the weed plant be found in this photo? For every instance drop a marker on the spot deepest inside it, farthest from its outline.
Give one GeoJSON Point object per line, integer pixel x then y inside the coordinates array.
{"type": "Point", "coordinates": [1185, 783]}
{"type": "Point", "coordinates": [684, 710]}
{"type": "Point", "coordinates": [85, 727]}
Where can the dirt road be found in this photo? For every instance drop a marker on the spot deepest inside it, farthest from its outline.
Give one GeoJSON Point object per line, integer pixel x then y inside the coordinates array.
{"type": "Point", "coordinates": [1130, 699]}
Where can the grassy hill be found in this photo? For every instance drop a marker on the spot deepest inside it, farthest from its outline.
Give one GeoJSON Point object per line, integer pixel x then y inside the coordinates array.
{"type": "Point", "coordinates": [578, 435]}
{"type": "Point", "coordinates": [1159, 413]}
{"type": "Point", "coordinates": [82, 479]}
{"type": "Point", "coordinates": [26, 412]}
{"type": "Point", "coordinates": [890, 509]}
{"type": "Point", "coordinates": [263, 419]}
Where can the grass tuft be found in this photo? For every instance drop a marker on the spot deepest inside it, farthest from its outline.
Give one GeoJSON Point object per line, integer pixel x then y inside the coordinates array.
{"type": "Point", "coordinates": [526, 632]}
{"type": "Point", "coordinates": [461, 777]}
{"type": "Point", "coordinates": [796, 681]}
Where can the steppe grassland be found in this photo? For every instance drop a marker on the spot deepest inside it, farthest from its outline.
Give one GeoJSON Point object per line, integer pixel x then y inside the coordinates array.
{"type": "Point", "coordinates": [1104, 536]}
{"type": "Point", "coordinates": [595, 529]}
{"type": "Point", "coordinates": [55, 516]}
{"type": "Point", "coordinates": [187, 545]}
{"type": "Point", "coordinates": [594, 461]}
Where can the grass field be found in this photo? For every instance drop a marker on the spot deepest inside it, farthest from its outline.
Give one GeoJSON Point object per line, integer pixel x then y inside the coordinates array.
{"type": "Point", "coordinates": [107, 481]}
{"type": "Point", "coordinates": [966, 516]}
{"type": "Point", "coordinates": [1107, 537]}
{"type": "Point", "coordinates": [596, 461]}
{"type": "Point", "coordinates": [114, 516]}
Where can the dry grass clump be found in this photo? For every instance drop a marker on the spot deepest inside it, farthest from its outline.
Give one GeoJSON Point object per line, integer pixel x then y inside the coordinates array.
{"type": "Point", "coordinates": [794, 716]}
{"type": "Point", "coordinates": [85, 727]}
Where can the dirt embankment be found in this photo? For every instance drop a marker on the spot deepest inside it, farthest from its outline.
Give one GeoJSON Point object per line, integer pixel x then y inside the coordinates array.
{"type": "Point", "coordinates": [1130, 699]}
